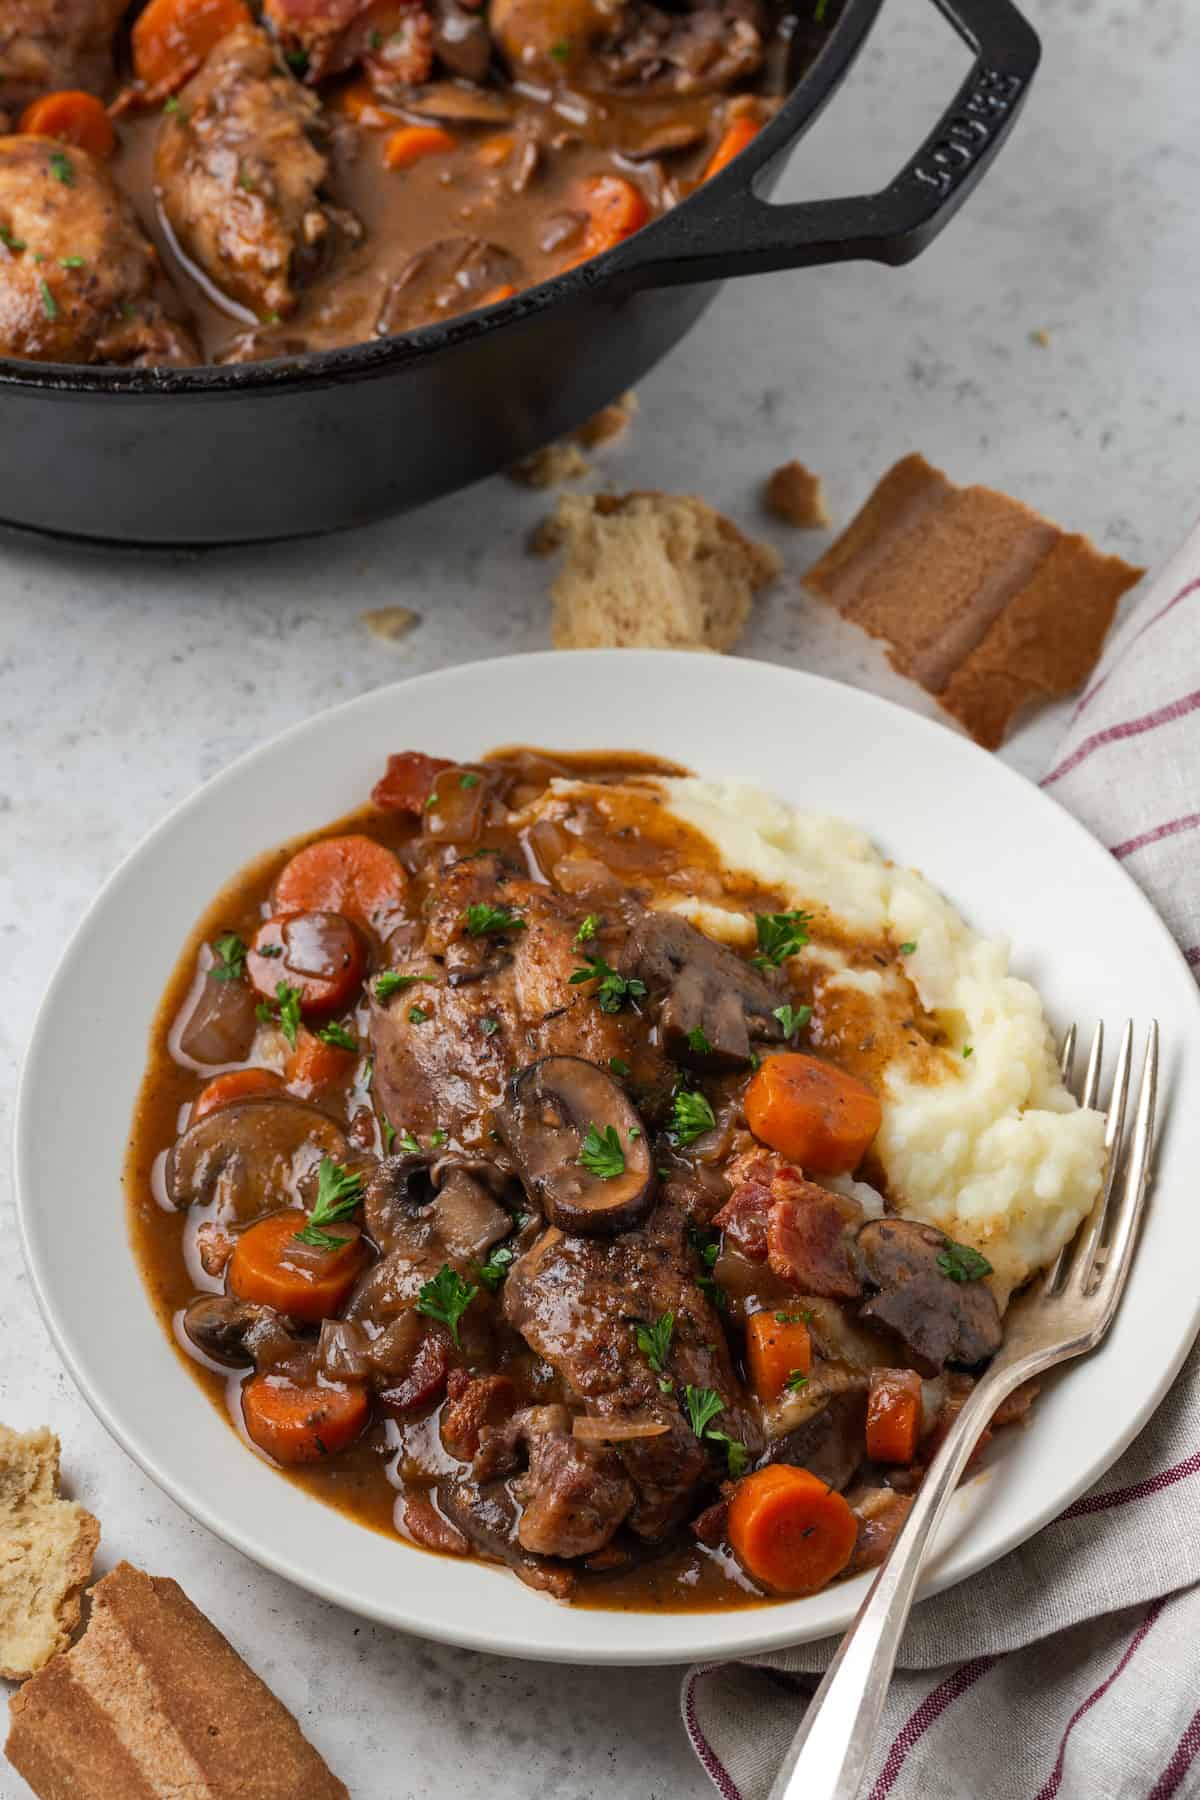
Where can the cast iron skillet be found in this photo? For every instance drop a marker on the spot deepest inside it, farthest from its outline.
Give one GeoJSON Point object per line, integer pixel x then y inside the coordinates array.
{"type": "Point", "coordinates": [312, 443]}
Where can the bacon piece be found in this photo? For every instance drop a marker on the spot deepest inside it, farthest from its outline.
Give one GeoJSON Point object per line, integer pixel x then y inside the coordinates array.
{"type": "Point", "coordinates": [393, 40]}
{"type": "Point", "coordinates": [426, 1526]}
{"type": "Point", "coordinates": [807, 1242]}
{"type": "Point", "coordinates": [708, 1527]}
{"type": "Point", "coordinates": [475, 1401]}
{"type": "Point", "coordinates": [881, 1512]}
{"type": "Point", "coordinates": [404, 786]}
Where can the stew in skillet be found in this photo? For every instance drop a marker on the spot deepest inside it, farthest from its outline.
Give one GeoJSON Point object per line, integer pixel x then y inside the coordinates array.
{"type": "Point", "coordinates": [509, 1212]}
{"type": "Point", "coordinates": [224, 180]}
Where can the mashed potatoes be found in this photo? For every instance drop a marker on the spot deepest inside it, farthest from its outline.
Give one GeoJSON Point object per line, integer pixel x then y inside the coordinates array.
{"type": "Point", "coordinates": [979, 1135]}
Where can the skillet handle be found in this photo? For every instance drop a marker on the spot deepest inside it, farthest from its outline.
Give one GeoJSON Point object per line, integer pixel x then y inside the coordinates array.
{"type": "Point", "coordinates": [726, 229]}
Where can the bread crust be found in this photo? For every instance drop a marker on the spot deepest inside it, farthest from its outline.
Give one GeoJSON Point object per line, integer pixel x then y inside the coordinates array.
{"type": "Point", "coordinates": [47, 1545]}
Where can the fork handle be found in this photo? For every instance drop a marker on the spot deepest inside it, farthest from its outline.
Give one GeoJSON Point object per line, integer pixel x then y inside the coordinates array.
{"type": "Point", "coordinates": [830, 1753]}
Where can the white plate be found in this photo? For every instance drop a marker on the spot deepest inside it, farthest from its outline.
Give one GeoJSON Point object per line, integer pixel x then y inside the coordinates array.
{"type": "Point", "coordinates": [1015, 863]}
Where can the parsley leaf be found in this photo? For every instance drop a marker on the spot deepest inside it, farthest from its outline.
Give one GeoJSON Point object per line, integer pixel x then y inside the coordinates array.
{"type": "Point", "coordinates": [736, 1454]}
{"type": "Point", "coordinates": [62, 168]}
{"type": "Point", "coordinates": [586, 931]}
{"type": "Point", "coordinates": [392, 982]}
{"type": "Point", "coordinates": [10, 242]}
{"type": "Point", "coordinates": [230, 953]}
{"type": "Point", "coordinates": [654, 1341]}
{"type": "Point", "coordinates": [907, 949]}
{"type": "Point", "coordinates": [614, 990]}
{"type": "Point", "coordinates": [795, 1381]}
{"type": "Point", "coordinates": [490, 1026]}
{"type": "Point", "coordinates": [417, 1015]}
{"type": "Point", "coordinates": [408, 1142]}
{"type": "Point", "coordinates": [698, 1042]}
{"type": "Point", "coordinates": [618, 1065]}
{"type": "Point", "coordinates": [968, 1050]}
{"type": "Point", "coordinates": [468, 780]}
{"type": "Point", "coordinates": [70, 262]}
{"type": "Point", "coordinates": [289, 1010]}
{"type": "Point", "coordinates": [49, 303]}
{"type": "Point", "coordinates": [493, 1271]}
{"type": "Point", "coordinates": [714, 1294]}
{"type": "Point", "coordinates": [446, 1298]}
{"type": "Point", "coordinates": [562, 50]}
{"type": "Point", "coordinates": [793, 1019]}
{"type": "Point", "coordinates": [961, 1263]}
{"type": "Point", "coordinates": [339, 1191]}
{"type": "Point", "coordinates": [780, 935]}
{"type": "Point", "coordinates": [388, 1132]}
{"type": "Point", "coordinates": [702, 1406]}
{"type": "Point", "coordinates": [787, 1318]}
{"type": "Point", "coordinates": [338, 1036]}
{"type": "Point", "coordinates": [601, 1153]}
{"type": "Point", "coordinates": [488, 921]}
{"type": "Point", "coordinates": [706, 1244]}
{"type": "Point", "coordinates": [172, 105]}
{"type": "Point", "coordinates": [691, 1116]}
{"type": "Point", "coordinates": [298, 59]}
{"type": "Point", "coordinates": [437, 1138]}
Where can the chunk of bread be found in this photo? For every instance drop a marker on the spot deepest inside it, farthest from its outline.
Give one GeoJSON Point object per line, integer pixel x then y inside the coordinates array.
{"type": "Point", "coordinates": [610, 422]}
{"type": "Point", "coordinates": [662, 571]}
{"type": "Point", "coordinates": [550, 466]}
{"type": "Point", "coordinates": [984, 602]}
{"type": "Point", "coordinates": [152, 1703]}
{"type": "Point", "coordinates": [795, 495]}
{"type": "Point", "coordinates": [46, 1550]}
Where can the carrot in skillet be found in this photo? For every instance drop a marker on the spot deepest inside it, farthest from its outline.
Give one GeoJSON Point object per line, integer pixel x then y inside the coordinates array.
{"type": "Point", "coordinates": [171, 38]}
{"type": "Point", "coordinates": [273, 1266]}
{"type": "Point", "coordinates": [297, 1424]}
{"type": "Point", "coordinates": [737, 134]}
{"type": "Point", "coordinates": [790, 1531]}
{"type": "Point", "coordinates": [360, 102]}
{"type": "Point", "coordinates": [405, 783]}
{"type": "Point", "coordinates": [812, 1113]}
{"type": "Point", "coordinates": [239, 1084]}
{"type": "Point", "coordinates": [778, 1349]}
{"type": "Point", "coordinates": [318, 953]}
{"type": "Point", "coordinates": [615, 207]}
{"type": "Point", "coordinates": [350, 875]}
{"type": "Point", "coordinates": [495, 150]}
{"type": "Point", "coordinates": [316, 1063]}
{"type": "Point", "coordinates": [893, 1415]}
{"type": "Point", "coordinates": [72, 117]}
{"type": "Point", "coordinates": [411, 143]}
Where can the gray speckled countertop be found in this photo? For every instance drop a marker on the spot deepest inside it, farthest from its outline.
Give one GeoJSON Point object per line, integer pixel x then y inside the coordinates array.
{"type": "Point", "coordinates": [127, 679]}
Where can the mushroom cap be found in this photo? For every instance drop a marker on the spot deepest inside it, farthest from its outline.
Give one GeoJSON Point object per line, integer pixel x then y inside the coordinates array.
{"type": "Point", "coordinates": [937, 1320]}
{"type": "Point", "coordinates": [253, 1158]}
{"type": "Point", "coordinates": [702, 986]}
{"type": "Point", "coordinates": [544, 1123]}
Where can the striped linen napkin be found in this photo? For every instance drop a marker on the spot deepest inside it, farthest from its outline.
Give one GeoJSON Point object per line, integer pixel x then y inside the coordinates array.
{"type": "Point", "coordinates": [1070, 1668]}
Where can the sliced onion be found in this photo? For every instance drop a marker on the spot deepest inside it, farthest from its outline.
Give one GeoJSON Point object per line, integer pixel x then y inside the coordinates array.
{"type": "Point", "coordinates": [617, 1431]}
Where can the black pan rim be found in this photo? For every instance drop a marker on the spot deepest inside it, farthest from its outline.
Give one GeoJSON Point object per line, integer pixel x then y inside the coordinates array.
{"type": "Point", "coordinates": [355, 362]}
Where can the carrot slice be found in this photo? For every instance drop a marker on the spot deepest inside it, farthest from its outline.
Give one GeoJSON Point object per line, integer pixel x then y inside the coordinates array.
{"type": "Point", "coordinates": [615, 206]}
{"type": "Point", "coordinates": [360, 103]}
{"type": "Point", "coordinates": [406, 782]}
{"type": "Point", "coordinates": [411, 143]}
{"type": "Point", "coordinates": [496, 150]}
{"type": "Point", "coordinates": [737, 134]}
{"type": "Point", "coordinates": [352, 875]}
{"type": "Point", "coordinates": [812, 1113]}
{"type": "Point", "coordinates": [505, 291]}
{"type": "Point", "coordinates": [239, 1084]}
{"type": "Point", "coordinates": [893, 1415]}
{"type": "Point", "coordinates": [171, 38]}
{"type": "Point", "coordinates": [296, 1424]}
{"type": "Point", "coordinates": [270, 1265]}
{"type": "Point", "coordinates": [790, 1531]}
{"type": "Point", "coordinates": [318, 953]}
{"type": "Point", "coordinates": [315, 1064]}
{"type": "Point", "coordinates": [778, 1346]}
{"type": "Point", "coordinates": [72, 117]}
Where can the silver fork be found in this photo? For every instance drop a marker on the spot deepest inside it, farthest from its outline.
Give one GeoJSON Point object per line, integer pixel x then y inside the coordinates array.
{"type": "Point", "coordinates": [1063, 1314]}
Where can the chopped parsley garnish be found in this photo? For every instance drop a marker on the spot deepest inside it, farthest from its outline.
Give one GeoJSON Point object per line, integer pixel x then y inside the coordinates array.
{"type": "Point", "coordinates": [490, 1026]}
{"type": "Point", "coordinates": [338, 1036]}
{"type": "Point", "coordinates": [587, 931]}
{"type": "Point", "coordinates": [618, 1065]}
{"type": "Point", "coordinates": [493, 1271]}
{"type": "Point", "coordinates": [376, 40]}
{"type": "Point", "coordinates": [780, 935]}
{"type": "Point", "coordinates": [172, 105]}
{"type": "Point", "coordinates": [654, 1341]}
{"type": "Point", "coordinates": [706, 1244]}
{"type": "Point", "coordinates": [437, 1138]}
{"type": "Point", "coordinates": [468, 780]}
{"type": "Point", "coordinates": [269, 950]}
{"type": "Point", "coordinates": [819, 12]}
{"type": "Point", "coordinates": [70, 262]}
{"type": "Point", "coordinates": [271, 319]}
{"type": "Point", "coordinates": [907, 949]}
{"type": "Point", "coordinates": [407, 1142]}
{"type": "Point", "coordinates": [230, 953]}
{"type": "Point", "coordinates": [339, 1191]}
{"type": "Point", "coordinates": [601, 1153]}
{"type": "Point", "coordinates": [714, 1294]}
{"type": "Point", "coordinates": [288, 999]}
{"type": "Point", "coordinates": [298, 60]}
{"type": "Point", "coordinates": [417, 1015]}
{"type": "Point", "coordinates": [691, 1117]}
{"type": "Point", "coordinates": [392, 982]}
{"type": "Point", "coordinates": [10, 242]}
{"type": "Point", "coordinates": [488, 921]}
{"type": "Point", "coordinates": [388, 1133]}
{"type": "Point", "coordinates": [787, 1318]}
{"type": "Point", "coordinates": [613, 990]}
{"type": "Point", "coordinates": [736, 1454]}
{"type": "Point", "coordinates": [446, 1298]}
{"type": "Point", "coordinates": [698, 1042]}
{"type": "Point", "coordinates": [795, 1381]}
{"type": "Point", "coordinates": [702, 1405]}
{"type": "Point", "coordinates": [793, 1019]}
{"type": "Point", "coordinates": [560, 51]}
{"type": "Point", "coordinates": [49, 303]}
{"type": "Point", "coordinates": [961, 1263]}
{"type": "Point", "coordinates": [968, 1050]}
{"type": "Point", "coordinates": [62, 168]}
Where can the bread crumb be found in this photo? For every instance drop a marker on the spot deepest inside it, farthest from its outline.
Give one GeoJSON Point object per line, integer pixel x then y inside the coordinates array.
{"type": "Point", "coordinates": [795, 495]}
{"type": "Point", "coordinates": [1041, 337]}
{"type": "Point", "coordinates": [654, 570]}
{"type": "Point", "coordinates": [609, 423]}
{"type": "Point", "coordinates": [550, 466]}
{"type": "Point", "coordinates": [46, 1550]}
{"type": "Point", "coordinates": [984, 602]}
{"type": "Point", "coordinates": [390, 622]}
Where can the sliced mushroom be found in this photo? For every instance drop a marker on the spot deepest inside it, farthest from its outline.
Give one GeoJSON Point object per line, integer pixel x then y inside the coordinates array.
{"type": "Point", "coordinates": [253, 1158]}
{"type": "Point", "coordinates": [459, 102]}
{"type": "Point", "coordinates": [937, 1320]}
{"type": "Point", "coordinates": [238, 1332]}
{"type": "Point", "coordinates": [469, 1221]}
{"type": "Point", "coordinates": [831, 1444]}
{"type": "Point", "coordinates": [396, 1203]}
{"type": "Point", "coordinates": [544, 1123]}
{"type": "Point", "coordinates": [217, 1022]}
{"type": "Point", "coordinates": [461, 39]}
{"type": "Point", "coordinates": [702, 988]}
{"type": "Point", "coordinates": [449, 277]}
